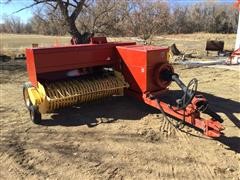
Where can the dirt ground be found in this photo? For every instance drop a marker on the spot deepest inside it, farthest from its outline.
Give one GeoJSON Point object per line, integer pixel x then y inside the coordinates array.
{"type": "Point", "coordinates": [118, 138]}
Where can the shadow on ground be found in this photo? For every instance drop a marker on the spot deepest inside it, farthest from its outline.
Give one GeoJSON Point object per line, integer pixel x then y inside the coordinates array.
{"type": "Point", "coordinates": [125, 108]}
{"type": "Point", "coordinates": [13, 65]}
{"type": "Point", "coordinates": [218, 105]}
{"type": "Point", "coordinates": [106, 111]}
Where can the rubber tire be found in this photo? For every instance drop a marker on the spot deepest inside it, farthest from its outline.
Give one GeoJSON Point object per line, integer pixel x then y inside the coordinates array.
{"type": "Point", "coordinates": [26, 85]}
{"type": "Point", "coordinates": [35, 115]}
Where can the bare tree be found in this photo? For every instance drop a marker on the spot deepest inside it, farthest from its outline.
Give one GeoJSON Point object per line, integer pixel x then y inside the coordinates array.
{"type": "Point", "coordinates": [142, 18]}
{"type": "Point", "coordinates": [13, 25]}
{"type": "Point", "coordinates": [146, 18]}
{"type": "Point", "coordinates": [48, 22]}
{"type": "Point", "coordinates": [70, 9]}
{"type": "Point", "coordinates": [102, 17]}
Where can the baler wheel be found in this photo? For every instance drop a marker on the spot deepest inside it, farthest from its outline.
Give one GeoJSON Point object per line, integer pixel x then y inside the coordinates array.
{"type": "Point", "coordinates": [26, 98]}
{"type": "Point", "coordinates": [35, 115]}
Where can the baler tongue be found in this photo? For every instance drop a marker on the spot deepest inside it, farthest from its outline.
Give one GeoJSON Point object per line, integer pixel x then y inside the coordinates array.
{"type": "Point", "coordinates": [213, 128]}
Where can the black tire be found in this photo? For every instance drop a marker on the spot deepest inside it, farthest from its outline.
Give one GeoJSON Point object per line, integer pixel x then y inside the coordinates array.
{"type": "Point", "coordinates": [35, 115]}
{"type": "Point", "coordinates": [25, 94]}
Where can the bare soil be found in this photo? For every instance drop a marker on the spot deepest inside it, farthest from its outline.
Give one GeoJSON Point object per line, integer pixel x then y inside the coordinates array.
{"type": "Point", "coordinates": [119, 137]}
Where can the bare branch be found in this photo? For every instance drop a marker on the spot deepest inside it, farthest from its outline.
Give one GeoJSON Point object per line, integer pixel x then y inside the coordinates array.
{"type": "Point", "coordinates": [69, 4]}
{"type": "Point", "coordinates": [63, 9]}
{"type": "Point", "coordinates": [27, 7]}
{"type": "Point", "coordinates": [7, 1]}
{"type": "Point", "coordinates": [36, 2]}
{"type": "Point", "coordinates": [53, 6]}
{"type": "Point", "coordinates": [78, 9]}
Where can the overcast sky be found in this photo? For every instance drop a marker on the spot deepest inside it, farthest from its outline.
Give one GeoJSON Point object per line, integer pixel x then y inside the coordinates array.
{"type": "Point", "coordinates": [6, 10]}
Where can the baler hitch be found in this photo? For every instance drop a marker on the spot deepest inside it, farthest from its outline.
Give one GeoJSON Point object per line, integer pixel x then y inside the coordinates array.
{"type": "Point", "coordinates": [189, 92]}
{"type": "Point", "coordinates": [188, 107]}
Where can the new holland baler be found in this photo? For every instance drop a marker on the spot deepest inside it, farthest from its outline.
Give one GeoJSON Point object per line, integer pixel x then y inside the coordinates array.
{"type": "Point", "coordinates": [64, 76]}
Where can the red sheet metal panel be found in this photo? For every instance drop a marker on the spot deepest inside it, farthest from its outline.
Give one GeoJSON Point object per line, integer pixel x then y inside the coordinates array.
{"type": "Point", "coordinates": [140, 64]}
{"type": "Point", "coordinates": [31, 68]}
{"type": "Point", "coordinates": [53, 59]}
{"type": "Point", "coordinates": [71, 57]}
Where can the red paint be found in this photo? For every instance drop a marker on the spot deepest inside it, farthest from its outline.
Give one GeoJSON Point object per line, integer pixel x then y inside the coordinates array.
{"type": "Point", "coordinates": [140, 64]}
{"type": "Point", "coordinates": [98, 40]}
{"type": "Point", "coordinates": [142, 67]}
{"type": "Point", "coordinates": [209, 127]}
{"type": "Point", "coordinates": [31, 68]}
{"type": "Point", "coordinates": [237, 4]}
{"type": "Point", "coordinates": [53, 59]}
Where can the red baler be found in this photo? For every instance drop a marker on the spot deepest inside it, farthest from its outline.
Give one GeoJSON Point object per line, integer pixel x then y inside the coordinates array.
{"type": "Point", "coordinates": [68, 75]}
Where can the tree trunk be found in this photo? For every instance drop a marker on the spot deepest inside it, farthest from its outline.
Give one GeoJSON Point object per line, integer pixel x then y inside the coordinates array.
{"type": "Point", "coordinates": [76, 35]}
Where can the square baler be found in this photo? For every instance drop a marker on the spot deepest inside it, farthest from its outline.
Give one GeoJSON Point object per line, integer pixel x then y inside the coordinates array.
{"type": "Point", "coordinates": [68, 75]}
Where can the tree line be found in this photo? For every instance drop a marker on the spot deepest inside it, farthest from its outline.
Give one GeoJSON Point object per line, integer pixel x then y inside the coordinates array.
{"type": "Point", "coordinates": [142, 18]}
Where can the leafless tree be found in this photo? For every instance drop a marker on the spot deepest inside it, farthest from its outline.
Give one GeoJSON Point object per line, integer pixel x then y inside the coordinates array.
{"type": "Point", "coordinates": [146, 18]}
{"type": "Point", "coordinates": [47, 22]}
{"type": "Point", "coordinates": [70, 10]}
{"type": "Point", "coordinates": [102, 17]}
{"type": "Point", "coordinates": [13, 25]}
{"type": "Point", "coordinates": [142, 18]}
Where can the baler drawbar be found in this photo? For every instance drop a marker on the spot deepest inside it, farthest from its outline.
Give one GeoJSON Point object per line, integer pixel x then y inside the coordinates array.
{"type": "Point", "coordinates": [64, 76]}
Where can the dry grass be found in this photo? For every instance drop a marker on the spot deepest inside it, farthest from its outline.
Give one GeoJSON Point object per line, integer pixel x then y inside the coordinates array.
{"type": "Point", "coordinates": [196, 42]}
{"type": "Point", "coordinates": [15, 44]}
{"type": "Point", "coordinates": [12, 44]}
